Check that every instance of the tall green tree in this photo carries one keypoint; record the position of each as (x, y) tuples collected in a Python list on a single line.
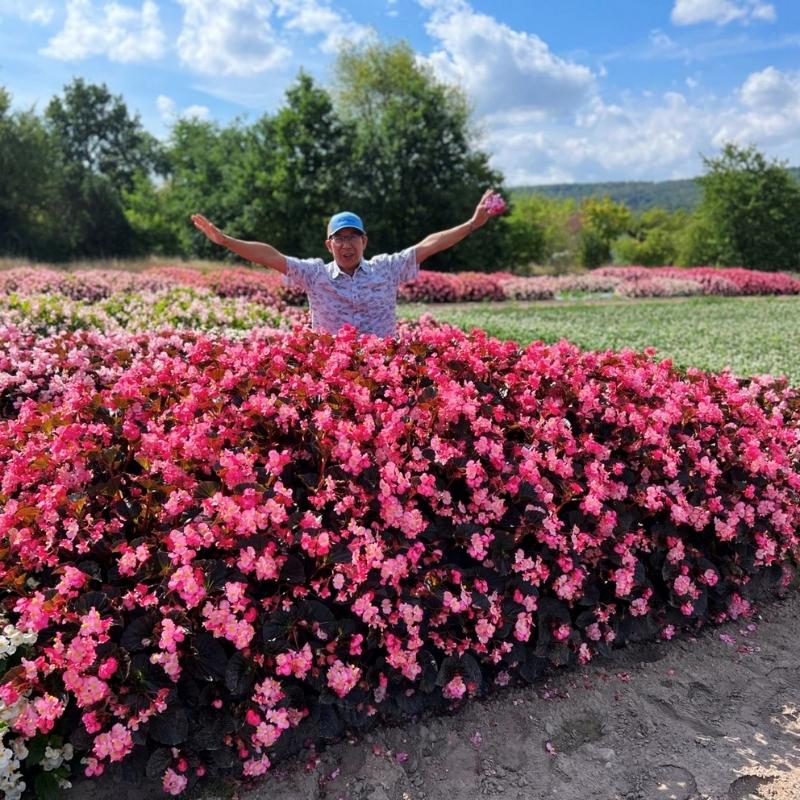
[(603, 222), (205, 175), (752, 209), (101, 149), (527, 232), (96, 132), (415, 168), (28, 168), (303, 159), (653, 239)]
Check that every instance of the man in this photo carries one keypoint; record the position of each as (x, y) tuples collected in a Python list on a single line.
[(350, 289)]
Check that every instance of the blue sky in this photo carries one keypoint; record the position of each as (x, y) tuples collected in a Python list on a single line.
[(573, 90)]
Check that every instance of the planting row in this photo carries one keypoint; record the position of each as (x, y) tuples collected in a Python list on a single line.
[(215, 550), (265, 287), (179, 307)]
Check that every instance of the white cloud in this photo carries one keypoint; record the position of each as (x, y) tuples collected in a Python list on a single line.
[(168, 110), (544, 119), (120, 32), (230, 37), (721, 12), (237, 37), (40, 12), (648, 139), (501, 68), (770, 113), (166, 107), (314, 18), (196, 112)]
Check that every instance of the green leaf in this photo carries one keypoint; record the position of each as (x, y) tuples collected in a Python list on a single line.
[(46, 787)]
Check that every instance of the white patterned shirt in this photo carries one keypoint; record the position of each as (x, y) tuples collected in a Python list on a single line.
[(367, 300)]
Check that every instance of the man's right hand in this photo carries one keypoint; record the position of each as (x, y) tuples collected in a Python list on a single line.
[(208, 228)]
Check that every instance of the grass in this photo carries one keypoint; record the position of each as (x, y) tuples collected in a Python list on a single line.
[(751, 335)]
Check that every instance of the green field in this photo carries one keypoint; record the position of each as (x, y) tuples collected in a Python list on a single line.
[(751, 335)]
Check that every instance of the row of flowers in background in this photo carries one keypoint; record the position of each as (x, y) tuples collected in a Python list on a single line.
[(227, 548), (182, 307), (265, 287)]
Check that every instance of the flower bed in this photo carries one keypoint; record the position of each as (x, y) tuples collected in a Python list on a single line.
[(196, 308), (90, 285), (659, 287), (265, 287), (528, 288), (715, 280), (228, 548)]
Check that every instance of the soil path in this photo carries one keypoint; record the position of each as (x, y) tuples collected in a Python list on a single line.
[(713, 718)]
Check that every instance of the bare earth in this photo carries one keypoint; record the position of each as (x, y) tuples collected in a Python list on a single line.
[(713, 718)]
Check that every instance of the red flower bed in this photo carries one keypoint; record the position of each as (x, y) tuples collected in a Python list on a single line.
[(659, 287), (454, 287), (90, 284), (226, 549), (715, 280)]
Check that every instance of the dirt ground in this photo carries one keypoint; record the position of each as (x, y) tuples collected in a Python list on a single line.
[(712, 718)]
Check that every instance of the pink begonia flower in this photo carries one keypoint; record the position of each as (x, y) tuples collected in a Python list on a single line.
[(107, 668), (171, 635), (26, 722), (342, 678), (562, 632), (682, 585), (114, 745), (93, 767), (173, 783), (256, 766), (455, 688), (495, 204), (268, 693), (90, 722), (484, 630), (294, 662), (169, 662)]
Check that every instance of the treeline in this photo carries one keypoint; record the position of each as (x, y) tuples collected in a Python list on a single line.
[(673, 195), (637, 195), (748, 215), (83, 179)]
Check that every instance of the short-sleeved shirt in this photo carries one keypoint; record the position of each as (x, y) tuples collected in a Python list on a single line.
[(367, 300)]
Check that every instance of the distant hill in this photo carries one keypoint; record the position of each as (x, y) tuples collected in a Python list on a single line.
[(637, 195)]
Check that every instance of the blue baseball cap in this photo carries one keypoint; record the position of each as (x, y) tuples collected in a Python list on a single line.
[(345, 219)]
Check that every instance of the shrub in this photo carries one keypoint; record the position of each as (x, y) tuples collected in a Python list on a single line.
[(177, 307), (225, 549), (529, 288), (658, 287)]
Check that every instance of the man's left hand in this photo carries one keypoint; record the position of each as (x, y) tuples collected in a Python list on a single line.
[(481, 215)]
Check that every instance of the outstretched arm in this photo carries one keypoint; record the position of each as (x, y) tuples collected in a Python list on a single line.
[(257, 252), (437, 242)]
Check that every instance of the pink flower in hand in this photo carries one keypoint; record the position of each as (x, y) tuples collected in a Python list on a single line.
[(495, 204)]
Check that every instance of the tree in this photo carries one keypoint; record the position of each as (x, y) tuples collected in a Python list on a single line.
[(752, 208), (304, 158), (26, 185), (653, 238), (95, 132), (205, 174), (527, 235), (414, 168), (603, 222), (101, 149)]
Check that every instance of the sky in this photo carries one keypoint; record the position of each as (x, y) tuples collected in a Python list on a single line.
[(562, 91)]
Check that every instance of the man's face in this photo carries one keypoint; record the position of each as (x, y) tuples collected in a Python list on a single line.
[(347, 246)]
